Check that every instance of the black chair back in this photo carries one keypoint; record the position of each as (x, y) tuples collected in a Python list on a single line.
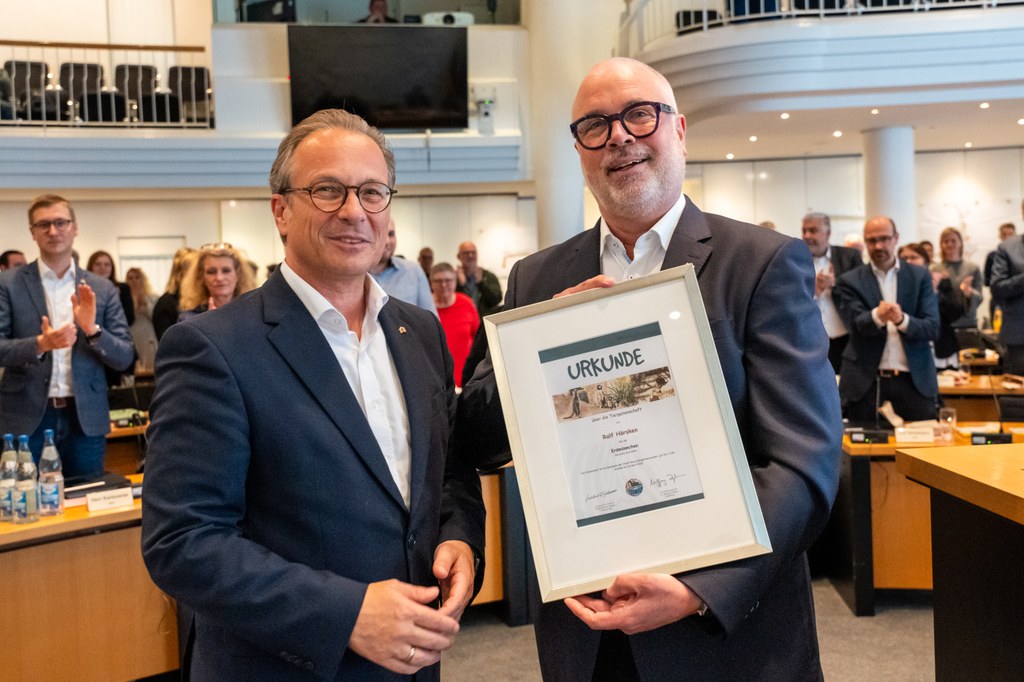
[(80, 78), (190, 83), (135, 80), (28, 78)]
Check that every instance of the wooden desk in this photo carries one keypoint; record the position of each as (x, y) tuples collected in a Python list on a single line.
[(977, 505), (976, 400), (126, 448), (879, 535), (79, 603)]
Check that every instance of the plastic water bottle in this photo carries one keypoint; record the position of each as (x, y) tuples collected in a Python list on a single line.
[(26, 485), (51, 478), (8, 472)]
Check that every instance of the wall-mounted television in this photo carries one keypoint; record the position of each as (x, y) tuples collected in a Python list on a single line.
[(399, 77)]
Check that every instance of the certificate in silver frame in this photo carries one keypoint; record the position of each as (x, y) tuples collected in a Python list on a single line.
[(625, 444)]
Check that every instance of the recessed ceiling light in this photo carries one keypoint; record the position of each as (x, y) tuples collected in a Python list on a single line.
[(984, 105), (753, 138), (784, 116), (730, 156), (874, 112), (1020, 121), (837, 133), (968, 145)]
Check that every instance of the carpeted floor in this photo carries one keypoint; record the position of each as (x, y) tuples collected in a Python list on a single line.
[(895, 644)]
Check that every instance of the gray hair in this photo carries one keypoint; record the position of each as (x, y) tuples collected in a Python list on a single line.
[(326, 119), (822, 218)]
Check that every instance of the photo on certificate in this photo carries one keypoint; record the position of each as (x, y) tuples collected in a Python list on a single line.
[(623, 439), (626, 449)]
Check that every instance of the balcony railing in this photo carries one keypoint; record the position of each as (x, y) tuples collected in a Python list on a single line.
[(104, 85), (649, 21)]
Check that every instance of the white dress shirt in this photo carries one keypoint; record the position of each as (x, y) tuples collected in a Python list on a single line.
[(648, 252), (59, 309), (829, 315), (893, 355), (369, 369)]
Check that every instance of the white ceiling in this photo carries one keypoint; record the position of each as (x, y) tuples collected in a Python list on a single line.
[(810, 132)]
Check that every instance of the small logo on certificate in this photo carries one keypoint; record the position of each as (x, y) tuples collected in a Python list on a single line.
[(634, 487)]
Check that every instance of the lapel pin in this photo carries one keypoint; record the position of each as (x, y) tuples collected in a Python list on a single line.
[(401, 330)]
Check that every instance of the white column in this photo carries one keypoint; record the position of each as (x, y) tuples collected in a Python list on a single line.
[(889, 187), (567, 37)]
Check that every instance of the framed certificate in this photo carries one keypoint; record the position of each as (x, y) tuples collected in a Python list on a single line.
[(625, 444)]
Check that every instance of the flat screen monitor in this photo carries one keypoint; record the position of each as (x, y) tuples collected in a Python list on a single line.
[(399, 77)]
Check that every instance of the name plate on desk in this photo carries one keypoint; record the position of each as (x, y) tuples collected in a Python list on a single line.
[(915, 434), (109, 499)]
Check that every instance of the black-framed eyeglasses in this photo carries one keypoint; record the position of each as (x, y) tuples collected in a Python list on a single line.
[(62, 225), (328, 197), (639, 119)]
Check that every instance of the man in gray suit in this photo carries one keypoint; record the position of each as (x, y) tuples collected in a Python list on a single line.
[(830, 261), (59, 327), (1007, 286), (745, 620)]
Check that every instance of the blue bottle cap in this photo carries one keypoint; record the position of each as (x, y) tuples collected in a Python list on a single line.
[(48, 432), (23, 438)]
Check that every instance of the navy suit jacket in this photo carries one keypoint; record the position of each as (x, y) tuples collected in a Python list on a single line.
[(757, 287), (268, 505), (857, 294), (1007, 286), (26, 380)]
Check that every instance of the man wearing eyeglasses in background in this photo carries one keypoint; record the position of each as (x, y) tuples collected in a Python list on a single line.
[(746, 620), (298, 492), (59, 327), (892, 312)]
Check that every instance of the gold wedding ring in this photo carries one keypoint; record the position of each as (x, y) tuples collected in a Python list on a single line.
[(412, 653)]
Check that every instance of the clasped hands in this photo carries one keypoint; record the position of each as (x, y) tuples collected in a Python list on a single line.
[(83, 306), (397, 626), (890, 312)]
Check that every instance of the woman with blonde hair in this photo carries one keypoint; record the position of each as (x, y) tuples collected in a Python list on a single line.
[(166, 310), (221, 273), (143, 333)]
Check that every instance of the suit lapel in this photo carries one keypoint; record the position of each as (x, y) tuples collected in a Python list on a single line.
[(298, 339), (689, 243), (585, 261), (34, 285), (905, 289), (404, 342)]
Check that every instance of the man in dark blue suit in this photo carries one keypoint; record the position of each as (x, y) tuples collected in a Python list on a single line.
[(298, 494), (892, 313), (59, 327), (745, 620)]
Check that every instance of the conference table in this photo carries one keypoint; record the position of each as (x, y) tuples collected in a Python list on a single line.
[(977, 530), (879, 534), (78, 602), (976, 397)]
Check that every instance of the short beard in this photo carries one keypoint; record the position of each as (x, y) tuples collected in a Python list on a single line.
[(641, 198)]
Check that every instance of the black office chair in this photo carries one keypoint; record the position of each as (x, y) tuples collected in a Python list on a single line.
[(32, 97), (76, 80), (102, 107), (139, 83), (192, 86)]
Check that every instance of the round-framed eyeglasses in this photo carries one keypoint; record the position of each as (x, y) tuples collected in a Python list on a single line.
[(639, 119), (328, 197)]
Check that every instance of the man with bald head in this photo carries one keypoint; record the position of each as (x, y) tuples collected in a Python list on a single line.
[(746, 620), (892, 313), (474, 281)]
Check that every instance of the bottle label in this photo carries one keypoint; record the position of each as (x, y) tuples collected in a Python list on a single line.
[(26, 503), (49, 497), (6, 501)]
